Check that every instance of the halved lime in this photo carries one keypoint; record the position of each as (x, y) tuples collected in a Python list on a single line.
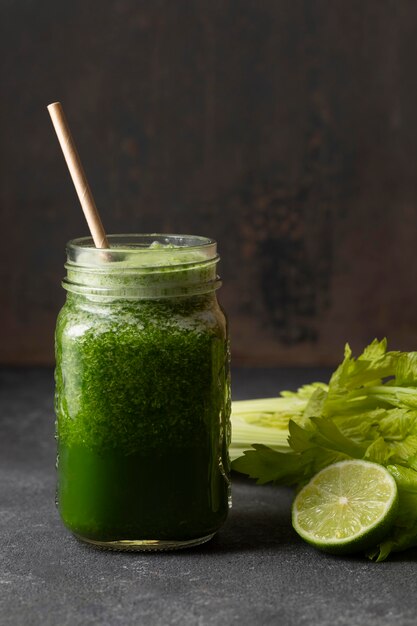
[(347, 507)]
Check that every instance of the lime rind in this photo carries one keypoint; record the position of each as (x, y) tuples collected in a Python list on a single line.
[(347, 507)]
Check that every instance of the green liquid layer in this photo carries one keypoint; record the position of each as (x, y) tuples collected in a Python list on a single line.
[(166, 495)]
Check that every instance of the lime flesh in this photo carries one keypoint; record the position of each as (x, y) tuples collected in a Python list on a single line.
[(347, 507)]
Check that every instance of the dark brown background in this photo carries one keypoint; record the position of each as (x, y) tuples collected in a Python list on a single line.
[(286, 130)]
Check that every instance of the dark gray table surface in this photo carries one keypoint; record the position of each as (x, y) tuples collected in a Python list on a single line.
[(256, 571)]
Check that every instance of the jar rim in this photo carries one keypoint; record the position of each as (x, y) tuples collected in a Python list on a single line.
[(183, 240), (142, 242)]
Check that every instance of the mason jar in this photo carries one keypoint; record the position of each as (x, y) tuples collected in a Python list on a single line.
[(142, 393)]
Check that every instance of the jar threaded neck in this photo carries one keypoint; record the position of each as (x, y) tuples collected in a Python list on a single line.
[(142, 266)]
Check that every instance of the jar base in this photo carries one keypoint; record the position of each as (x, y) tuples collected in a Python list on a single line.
[(145, 545)]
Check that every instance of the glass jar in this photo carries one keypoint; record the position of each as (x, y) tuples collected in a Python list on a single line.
[(142, 393)]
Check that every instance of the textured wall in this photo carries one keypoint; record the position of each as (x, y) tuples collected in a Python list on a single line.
[(286, 130)]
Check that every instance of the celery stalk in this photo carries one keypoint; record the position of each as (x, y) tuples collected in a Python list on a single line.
[(265, 420)]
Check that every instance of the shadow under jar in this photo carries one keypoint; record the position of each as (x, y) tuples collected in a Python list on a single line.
[(142, 393)]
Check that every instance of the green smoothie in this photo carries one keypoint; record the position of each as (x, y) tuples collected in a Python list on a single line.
[(142, 395)]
